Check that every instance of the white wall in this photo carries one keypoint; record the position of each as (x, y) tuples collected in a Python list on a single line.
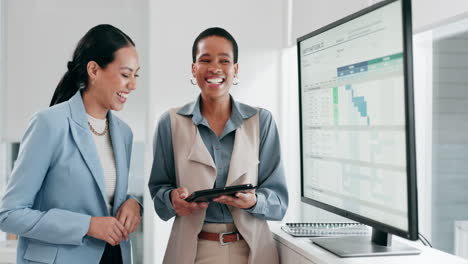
[(257, 26), (308, 16), (40, 36), (2, 111), (311, 15), (427, 13), (423, 86), (2, 71)]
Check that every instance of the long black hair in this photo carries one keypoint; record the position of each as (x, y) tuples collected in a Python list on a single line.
[(99, 44), (218, 32)]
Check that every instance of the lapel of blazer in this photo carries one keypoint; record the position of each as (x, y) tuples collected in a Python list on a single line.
[(244, 157), (84, 141), (120, 154), (198, 152)]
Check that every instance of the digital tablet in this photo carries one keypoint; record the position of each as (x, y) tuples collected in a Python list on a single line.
[(208, 194)]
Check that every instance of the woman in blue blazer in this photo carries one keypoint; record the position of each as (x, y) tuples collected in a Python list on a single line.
[(67, 196)]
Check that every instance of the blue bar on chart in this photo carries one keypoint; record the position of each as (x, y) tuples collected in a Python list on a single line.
[(359, 102)]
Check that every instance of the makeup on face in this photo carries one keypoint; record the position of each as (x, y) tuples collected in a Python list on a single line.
[(214, 68)]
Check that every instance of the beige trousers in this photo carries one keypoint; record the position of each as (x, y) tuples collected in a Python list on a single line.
[(212, 252)]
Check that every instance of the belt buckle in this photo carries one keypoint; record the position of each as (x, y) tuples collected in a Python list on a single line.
[(221, 238)]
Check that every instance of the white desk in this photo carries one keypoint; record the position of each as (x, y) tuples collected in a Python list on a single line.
[(302, 251), (8, 252), (461, 238)]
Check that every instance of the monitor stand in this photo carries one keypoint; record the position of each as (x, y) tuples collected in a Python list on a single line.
[(380, 245)]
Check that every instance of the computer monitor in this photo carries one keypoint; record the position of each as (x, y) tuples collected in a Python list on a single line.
[(357, 126)]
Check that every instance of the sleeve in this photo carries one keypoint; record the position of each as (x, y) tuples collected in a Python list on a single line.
[(162, 179), (272, 192), (130, 196), (58, 226)]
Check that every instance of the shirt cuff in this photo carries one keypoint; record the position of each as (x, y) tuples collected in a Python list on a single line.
[(258, 207), (168, 202), (130, 196)]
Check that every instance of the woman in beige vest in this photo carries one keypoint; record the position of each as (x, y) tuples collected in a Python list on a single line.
[(213, 142)]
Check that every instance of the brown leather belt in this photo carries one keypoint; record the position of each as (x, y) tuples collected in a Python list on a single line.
[(223, 238)]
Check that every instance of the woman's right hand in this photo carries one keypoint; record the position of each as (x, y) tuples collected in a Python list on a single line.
[(107, 228), (183, 207)]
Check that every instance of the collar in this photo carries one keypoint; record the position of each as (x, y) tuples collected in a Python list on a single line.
[(239, 112)]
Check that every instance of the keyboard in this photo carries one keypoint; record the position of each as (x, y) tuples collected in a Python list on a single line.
[(326, 229)]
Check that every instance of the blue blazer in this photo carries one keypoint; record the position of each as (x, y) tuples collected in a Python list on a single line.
[(57, 184)]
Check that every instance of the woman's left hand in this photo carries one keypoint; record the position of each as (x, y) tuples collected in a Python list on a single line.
[(240, 199), (129, 215)]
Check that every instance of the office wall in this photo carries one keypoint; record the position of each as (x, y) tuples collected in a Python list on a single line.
[(3, 156), (423, 68), (428, 13), (308, 16), (2, 71), (258, 27), (40, 36)]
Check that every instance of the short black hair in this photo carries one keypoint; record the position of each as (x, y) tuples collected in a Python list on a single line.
[(218, 32)]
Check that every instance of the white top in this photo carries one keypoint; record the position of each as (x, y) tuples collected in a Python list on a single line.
[(106, 157)]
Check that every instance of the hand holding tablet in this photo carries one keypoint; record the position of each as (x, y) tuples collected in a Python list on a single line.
[(209, 194)]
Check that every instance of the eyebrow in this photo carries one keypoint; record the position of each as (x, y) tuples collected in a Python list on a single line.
[(221, 54), (128, 68)]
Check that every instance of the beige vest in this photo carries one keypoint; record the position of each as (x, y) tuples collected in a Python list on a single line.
[(196, 170)]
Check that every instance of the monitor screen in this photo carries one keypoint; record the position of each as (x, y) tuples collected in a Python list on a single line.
[(356, 119)]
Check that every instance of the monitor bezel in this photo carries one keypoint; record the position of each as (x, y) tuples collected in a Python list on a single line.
[(412, 232)]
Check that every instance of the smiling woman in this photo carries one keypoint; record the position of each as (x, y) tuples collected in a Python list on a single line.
[(110, 85), (106, 71), (215, 66), (67, 197), (216, 141)]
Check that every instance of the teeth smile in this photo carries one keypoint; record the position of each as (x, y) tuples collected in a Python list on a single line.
[(123, 95), (215, 80)]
